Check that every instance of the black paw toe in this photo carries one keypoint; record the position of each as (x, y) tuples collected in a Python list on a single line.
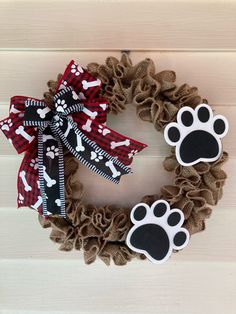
[(203, 114), (140, 213), (219, 126), (180, 239), (173, 134), (173, 219), (159, 209), (187, 118)]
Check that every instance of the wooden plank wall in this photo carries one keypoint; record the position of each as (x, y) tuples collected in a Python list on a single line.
[(194, 38)]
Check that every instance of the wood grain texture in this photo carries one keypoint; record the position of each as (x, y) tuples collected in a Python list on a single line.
[(172, 288), (118, 24), (27, 72)]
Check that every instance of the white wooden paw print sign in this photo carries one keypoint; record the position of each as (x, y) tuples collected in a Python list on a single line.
[(196, 135), (157, 231)]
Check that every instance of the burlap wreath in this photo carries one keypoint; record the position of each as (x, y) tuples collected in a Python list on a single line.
[(101, 231)]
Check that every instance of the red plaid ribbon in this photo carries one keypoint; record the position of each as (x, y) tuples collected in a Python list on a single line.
[(78, 122)]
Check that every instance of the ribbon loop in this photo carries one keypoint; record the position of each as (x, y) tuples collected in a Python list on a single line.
[(77, 122)]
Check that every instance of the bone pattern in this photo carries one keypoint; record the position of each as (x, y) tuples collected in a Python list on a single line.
[(38, 203), (87, 125), (103, 106), (87, 84), (117, 144), (48, 137), (91, 114), (69, 127), (14, 110), (43, 112), (115, 173), (50, 182), (21, 131), (79, 147), (27, 187)]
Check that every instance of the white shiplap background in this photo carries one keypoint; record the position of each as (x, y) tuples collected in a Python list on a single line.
[(196, 38)]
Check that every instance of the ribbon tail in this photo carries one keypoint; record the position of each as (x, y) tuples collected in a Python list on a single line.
[(88, 152), (28, 181), (51, 172), (114, 143)]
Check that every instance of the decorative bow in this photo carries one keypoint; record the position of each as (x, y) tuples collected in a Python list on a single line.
[(76, 121)]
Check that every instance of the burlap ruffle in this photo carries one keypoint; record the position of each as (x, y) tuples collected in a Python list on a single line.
[(156, 95), (97, 231), (194, 188), (101, 231)]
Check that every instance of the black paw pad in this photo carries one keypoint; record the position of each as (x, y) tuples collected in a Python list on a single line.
[(157, 231), (196, 135)]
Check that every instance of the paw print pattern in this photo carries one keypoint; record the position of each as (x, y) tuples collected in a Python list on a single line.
[(52, 152), (157, 231), (6, 125), (196, 135), (103, 130), (76, 69), (60, 105), (20, 199), (63, 85), (34, 163), (97, 156), (59, 121)]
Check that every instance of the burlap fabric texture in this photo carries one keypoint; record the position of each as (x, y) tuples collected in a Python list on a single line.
[(101, 231)]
